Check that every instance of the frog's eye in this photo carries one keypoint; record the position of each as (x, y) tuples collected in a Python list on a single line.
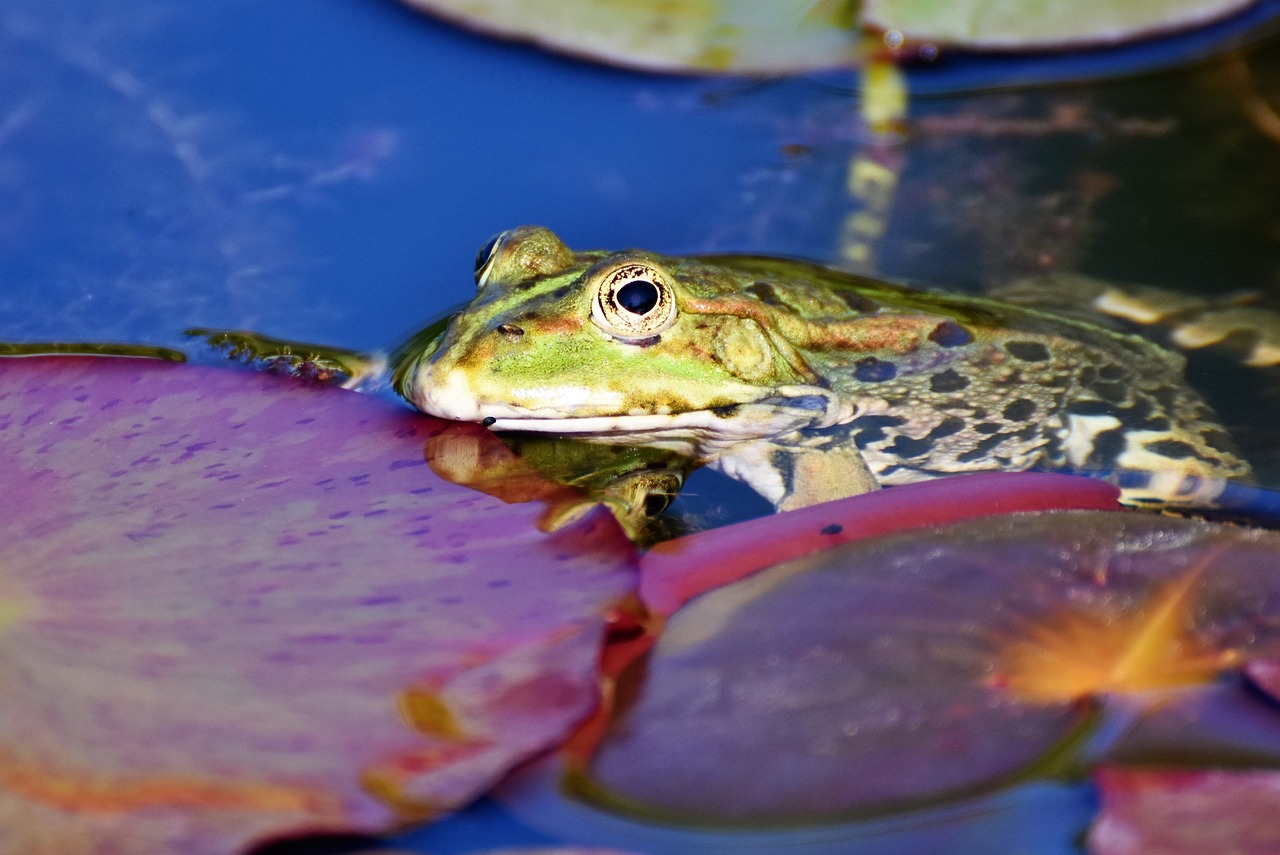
[(634, 301), (484, 258)]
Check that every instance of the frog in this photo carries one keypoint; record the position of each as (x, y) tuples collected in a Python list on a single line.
[(804, 382), (810, 384)]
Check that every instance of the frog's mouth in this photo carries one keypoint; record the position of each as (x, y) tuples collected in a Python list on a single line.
[(782, 411), (698, 428)]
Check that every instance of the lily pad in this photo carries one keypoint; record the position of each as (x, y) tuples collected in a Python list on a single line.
[(956, 656), (234, 607), (1186, 812), (1041, 24), (744, 36), (675, 571), (790, 36)]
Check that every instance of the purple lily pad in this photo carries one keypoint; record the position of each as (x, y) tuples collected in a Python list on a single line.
[(1265, 674), (895, 671), (236, 607), (1186, 812)]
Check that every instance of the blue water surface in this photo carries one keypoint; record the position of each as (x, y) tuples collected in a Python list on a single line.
[(329, 173)]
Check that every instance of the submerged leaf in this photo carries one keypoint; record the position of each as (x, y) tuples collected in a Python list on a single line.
[(1037, 24), (755, 36), (783, 698), (235, 607)]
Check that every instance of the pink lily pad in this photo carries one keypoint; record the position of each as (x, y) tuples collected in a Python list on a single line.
[(1186, 812), (235, 607), (1265, 674), (677, 570), (934, 664)]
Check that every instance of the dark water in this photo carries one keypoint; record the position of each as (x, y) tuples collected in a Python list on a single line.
[(327, 174)]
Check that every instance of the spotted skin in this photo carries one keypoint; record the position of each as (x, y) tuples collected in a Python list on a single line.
[(1037, 390)]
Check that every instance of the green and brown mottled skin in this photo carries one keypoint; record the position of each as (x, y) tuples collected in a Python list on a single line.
[(806, 383)]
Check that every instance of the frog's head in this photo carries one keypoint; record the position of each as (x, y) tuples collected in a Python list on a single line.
[(618, 345)]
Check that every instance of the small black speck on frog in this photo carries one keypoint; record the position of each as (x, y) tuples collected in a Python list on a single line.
[(833, 529)]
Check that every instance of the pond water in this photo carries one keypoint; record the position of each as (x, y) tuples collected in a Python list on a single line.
[(327, 175)]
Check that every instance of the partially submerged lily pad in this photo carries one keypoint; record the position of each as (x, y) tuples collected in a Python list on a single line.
[(233, 606), (791, 36), (1041, 24), (743, 36), (936, 654)]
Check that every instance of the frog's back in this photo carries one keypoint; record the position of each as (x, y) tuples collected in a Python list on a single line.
[(1000, 386), (806, 383)]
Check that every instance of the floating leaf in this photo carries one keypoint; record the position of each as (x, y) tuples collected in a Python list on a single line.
[(1039, 24), (1134, 646), (789, 36), (234, 607), (785, 696), (675, 571), (1192, 812), (1265, 674), (757, 36)]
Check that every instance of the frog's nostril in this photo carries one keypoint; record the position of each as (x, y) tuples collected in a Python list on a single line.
[(510, 330)]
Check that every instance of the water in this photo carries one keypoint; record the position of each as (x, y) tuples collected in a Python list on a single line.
[(163, 166), (328, 174)]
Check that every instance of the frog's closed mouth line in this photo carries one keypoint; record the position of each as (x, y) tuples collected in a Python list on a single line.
[(704, 423)]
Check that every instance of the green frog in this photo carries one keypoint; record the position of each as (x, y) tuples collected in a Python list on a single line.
[(809, 384)]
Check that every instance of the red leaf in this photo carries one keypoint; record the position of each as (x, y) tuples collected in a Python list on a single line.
[(675, 571)]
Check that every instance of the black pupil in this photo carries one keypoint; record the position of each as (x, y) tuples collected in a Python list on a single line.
[(482, 257), (638, 296), (655, 503)]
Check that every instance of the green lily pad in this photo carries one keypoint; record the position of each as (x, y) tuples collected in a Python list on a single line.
[(745, 36), (235, 607), (955, 656), (1041, 24)]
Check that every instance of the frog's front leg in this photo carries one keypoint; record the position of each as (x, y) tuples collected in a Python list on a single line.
[(794, 471), (335, 366)]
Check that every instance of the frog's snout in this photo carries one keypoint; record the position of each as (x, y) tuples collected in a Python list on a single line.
[(439, 390)]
